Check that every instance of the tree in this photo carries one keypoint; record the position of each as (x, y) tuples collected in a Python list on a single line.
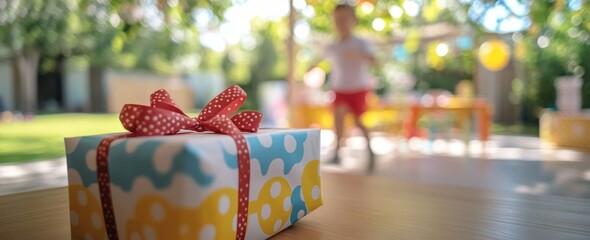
[(29, 29), (113, 33), (157, 36)]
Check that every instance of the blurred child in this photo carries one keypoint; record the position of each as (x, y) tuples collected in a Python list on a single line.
[(350, 59)]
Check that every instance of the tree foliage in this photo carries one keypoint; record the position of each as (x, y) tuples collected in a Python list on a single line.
[(267, 61), (147, 34), (427, 12), (46, 26), (556, 44), (155, 35)]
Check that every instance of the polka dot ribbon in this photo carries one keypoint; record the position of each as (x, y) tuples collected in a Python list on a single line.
[(163, 117)]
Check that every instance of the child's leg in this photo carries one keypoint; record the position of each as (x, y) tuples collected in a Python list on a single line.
[(365, 131), (358, 106), (363, 128), (339, 114)]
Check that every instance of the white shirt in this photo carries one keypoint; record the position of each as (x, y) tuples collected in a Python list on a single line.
[(349, 74)]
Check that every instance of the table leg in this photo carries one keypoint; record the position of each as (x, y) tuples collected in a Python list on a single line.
[(411, 125), (484, 121)]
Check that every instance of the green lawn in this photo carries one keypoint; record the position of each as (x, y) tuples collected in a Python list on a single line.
[(43, 137), (516, 129)]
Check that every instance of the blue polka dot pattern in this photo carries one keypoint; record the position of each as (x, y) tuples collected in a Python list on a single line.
[(186, 161), (76, 159), (121, 162), (230, 159), (141, 161), (277, 150)]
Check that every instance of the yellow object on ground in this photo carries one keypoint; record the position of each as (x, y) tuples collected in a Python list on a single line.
[(566, 130)]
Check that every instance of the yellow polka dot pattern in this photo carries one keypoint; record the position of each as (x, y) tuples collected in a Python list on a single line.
[(216, 216), (85, 214), (185, 223), (310, 180), (275, 216)]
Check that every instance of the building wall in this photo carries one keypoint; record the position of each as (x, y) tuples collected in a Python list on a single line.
[(76, 89), (136, 87), (205, 86), (123, 87)]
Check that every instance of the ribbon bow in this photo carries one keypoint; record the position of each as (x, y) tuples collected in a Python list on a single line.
[(164, 117)]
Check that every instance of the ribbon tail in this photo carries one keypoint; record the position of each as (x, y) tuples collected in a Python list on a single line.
[(225, 126), (247, 121), (104, 186)]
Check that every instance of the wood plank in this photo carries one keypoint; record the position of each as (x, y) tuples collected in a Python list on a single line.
[(40, 214), (361, 207)]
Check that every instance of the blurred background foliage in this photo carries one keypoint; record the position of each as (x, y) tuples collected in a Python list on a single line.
[(147, 34), (556, 44), (552, 42), (166, 37)]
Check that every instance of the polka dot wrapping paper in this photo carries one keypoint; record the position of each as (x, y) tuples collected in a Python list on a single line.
[(185, 186)]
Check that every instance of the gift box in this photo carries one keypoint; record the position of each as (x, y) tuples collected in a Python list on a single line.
[(188, 185)]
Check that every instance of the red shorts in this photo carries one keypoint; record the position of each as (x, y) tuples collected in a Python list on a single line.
[(355, 101)]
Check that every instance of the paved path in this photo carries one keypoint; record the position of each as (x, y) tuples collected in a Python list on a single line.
[(35, 175), (509, 163)]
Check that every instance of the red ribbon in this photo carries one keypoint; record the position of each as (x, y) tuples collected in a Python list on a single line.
[(163, 117)]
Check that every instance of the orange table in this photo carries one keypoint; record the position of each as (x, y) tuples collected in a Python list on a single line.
[(464, 108), (378, 117), (399, 117)]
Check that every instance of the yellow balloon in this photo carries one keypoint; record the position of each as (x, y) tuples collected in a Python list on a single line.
[(494, 54)]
